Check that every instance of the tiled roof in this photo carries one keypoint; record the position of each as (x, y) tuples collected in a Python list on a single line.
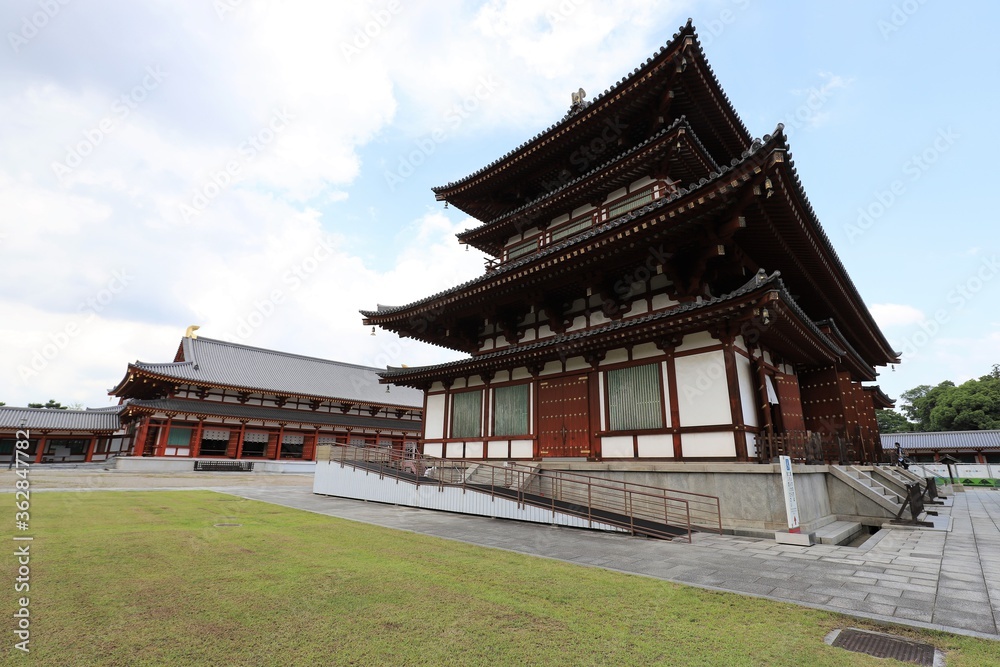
[(559, 341), (759, 149), (273, 414), (101, 419), (219, 363), (680, 122), (943, 440)]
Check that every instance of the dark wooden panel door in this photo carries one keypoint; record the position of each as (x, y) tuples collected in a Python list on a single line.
[(789, 402), (563, 417)]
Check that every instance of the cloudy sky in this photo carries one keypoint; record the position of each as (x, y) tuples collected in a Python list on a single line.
[(263, 168)]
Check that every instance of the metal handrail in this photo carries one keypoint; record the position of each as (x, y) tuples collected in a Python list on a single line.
[(594, 498)]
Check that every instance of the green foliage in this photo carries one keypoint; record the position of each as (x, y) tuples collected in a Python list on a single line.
[(970, 406), (51, 405), (890, 421)]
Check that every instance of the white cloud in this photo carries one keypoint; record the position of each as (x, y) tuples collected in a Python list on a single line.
[(136, 146), (895, 314)]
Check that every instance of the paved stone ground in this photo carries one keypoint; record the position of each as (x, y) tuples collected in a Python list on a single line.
[(943, 580)]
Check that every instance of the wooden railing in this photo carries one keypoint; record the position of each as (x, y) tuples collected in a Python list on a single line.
[(815, 448), (637, 508)]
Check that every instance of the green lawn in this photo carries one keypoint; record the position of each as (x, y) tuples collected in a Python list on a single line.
[(146, 578)]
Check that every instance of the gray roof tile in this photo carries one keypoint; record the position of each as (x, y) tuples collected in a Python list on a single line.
[(943, 440), (218, 362), (100, 419)]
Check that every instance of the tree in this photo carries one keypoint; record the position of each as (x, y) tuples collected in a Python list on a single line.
[(920, 401), (51, 405), (890, 421), (971, 406), (2, 404)]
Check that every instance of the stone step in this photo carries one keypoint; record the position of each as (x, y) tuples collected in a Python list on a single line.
[(838, 532)]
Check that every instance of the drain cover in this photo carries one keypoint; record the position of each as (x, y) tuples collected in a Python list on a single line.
[(885, 646)]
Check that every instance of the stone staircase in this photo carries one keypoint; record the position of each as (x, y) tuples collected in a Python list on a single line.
[(872, 485)]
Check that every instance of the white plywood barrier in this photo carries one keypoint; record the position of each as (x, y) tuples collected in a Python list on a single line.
[(333, 480)]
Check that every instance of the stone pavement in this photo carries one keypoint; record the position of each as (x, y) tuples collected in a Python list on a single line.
[(932, 579)]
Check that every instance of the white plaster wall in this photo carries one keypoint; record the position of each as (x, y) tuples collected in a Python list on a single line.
[(453, 450), (658, 446), (615, 357), (645, 351), (747, 391), (552, 368), (520, 374), (702, 389), (620, 192), (496, 449), (659, 281), (576, 364), (473, 450), (434, 449), (708, 444), (521, 449), (617, 447), (662, 301), (696, 340), (434, 418)]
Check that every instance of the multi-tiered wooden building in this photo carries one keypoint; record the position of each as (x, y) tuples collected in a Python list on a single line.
[(659, 288), (225, 400)]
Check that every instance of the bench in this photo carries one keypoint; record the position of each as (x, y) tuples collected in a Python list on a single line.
[(224, 466)]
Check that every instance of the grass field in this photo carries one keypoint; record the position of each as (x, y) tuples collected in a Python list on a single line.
[(147, 578)]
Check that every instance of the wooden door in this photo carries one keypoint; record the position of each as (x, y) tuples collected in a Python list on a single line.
[(563, 417)]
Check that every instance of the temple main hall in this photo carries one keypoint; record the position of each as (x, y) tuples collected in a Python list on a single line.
[(658, 287)]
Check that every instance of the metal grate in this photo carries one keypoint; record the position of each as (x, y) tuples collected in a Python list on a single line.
[(885, 646)]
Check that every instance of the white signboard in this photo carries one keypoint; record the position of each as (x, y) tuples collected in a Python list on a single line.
[(791, 505)]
